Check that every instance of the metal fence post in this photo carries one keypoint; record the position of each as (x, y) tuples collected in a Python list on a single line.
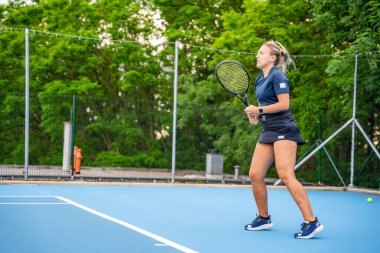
[(73, 121), (26, 148), (174, 137), (353, 124), (320, 151)]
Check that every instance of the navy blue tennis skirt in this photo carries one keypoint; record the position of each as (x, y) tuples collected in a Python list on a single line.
[(280, 126)]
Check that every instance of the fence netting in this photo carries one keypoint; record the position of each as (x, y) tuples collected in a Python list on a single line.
[(118, 98)]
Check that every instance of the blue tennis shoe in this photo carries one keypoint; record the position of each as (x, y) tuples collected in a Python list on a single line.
[(309, 229), (260, 223)]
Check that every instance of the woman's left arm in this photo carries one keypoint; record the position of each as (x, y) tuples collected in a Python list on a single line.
[(281, 105)]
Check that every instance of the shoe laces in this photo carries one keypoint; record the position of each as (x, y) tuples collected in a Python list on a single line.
[(258, 218), (304, 226)]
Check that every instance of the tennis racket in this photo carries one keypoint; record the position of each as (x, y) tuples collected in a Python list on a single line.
[(234, 78)]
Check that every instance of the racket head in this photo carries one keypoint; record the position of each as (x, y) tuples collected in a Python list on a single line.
[(233, 76)]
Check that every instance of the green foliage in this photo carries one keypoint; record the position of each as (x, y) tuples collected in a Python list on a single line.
[(124, 84), (195, 21), (352, 27), (140, 160), (111, 159)]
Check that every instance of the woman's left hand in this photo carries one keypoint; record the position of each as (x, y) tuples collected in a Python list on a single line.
[(251, 111), (253, 114)]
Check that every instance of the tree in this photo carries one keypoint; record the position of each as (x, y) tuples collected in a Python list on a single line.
[(209, 111), (109, 55), (352, 28)]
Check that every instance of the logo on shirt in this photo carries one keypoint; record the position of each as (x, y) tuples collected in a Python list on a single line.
[(283, 85), (280, 137)]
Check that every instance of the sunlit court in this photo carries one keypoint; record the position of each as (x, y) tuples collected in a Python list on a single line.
[(176, 218)]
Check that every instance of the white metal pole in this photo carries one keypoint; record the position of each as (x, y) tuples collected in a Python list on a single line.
[(353, 124), (174, 137), (319, 147), (367, 139), (26, 148)]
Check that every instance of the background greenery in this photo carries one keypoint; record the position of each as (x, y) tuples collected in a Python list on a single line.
[(119, 64)]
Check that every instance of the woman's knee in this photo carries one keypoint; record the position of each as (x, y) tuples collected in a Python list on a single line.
[(286, 177), (256, 177)]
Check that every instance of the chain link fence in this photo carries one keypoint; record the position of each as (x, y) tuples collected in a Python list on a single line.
[(118, 99)]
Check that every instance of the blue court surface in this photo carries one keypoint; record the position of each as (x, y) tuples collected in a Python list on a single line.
[(188, 218)]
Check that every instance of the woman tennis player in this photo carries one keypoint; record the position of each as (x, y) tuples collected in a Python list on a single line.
[(278, 141)]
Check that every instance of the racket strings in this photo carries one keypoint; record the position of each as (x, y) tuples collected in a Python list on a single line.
[(233, 77)]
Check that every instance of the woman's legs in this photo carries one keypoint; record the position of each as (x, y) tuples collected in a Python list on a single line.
[(285, 153), (263, 157)]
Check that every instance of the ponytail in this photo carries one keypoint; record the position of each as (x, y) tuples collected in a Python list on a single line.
[(283, 59)]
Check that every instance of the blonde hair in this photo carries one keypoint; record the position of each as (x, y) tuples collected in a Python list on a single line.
[(283, 59)]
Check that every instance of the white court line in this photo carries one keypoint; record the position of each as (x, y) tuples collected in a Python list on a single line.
[(33, 203), (125, 224), (27, 197), (160, 245)]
